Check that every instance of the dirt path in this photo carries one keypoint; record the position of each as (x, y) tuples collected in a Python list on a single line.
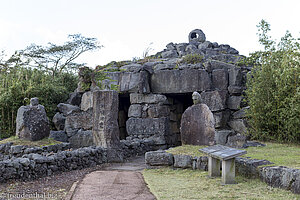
[(116, 182)]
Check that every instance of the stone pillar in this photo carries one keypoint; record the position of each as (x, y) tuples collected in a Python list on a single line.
[(228, 171), (213, 167), (105, 118)]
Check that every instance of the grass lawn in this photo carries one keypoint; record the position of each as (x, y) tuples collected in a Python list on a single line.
[(167, 183), (16, 141), (280, 154)]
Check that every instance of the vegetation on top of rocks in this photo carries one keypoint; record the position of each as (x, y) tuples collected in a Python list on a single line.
[(167, 183), (16, 141), (192, 59), (273, 89)]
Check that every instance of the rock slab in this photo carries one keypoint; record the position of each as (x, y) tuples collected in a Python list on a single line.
[(197, 126)]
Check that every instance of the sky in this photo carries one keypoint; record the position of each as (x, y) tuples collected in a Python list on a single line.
[(127, 27)]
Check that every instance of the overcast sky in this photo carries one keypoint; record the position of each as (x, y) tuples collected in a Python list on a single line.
[(127, 27)]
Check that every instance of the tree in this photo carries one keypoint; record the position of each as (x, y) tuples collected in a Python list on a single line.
[(273, 90), (56, 59)]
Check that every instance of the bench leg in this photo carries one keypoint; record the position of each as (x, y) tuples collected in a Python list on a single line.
[(213, 167), (228, 171)]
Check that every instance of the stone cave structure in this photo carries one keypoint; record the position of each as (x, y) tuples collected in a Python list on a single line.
[(155, 92)]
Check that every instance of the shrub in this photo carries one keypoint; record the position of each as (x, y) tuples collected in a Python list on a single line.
[(273, 91)]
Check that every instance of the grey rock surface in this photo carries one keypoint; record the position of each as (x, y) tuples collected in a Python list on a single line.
[(59, 121), (197, 126), (105, 119), (215, 100), (158, 158), (180, 81), (67, 109), (183, 161), (82, 139), (32, 123), (59, 136), (86, 101)]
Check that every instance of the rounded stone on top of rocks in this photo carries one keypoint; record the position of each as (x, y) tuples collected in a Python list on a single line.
[(34, 101), (196, 98), (196, 36)]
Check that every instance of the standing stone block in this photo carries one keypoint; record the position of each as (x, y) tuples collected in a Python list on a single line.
[(105, 118), (215, 100), (32, 122), (220, 79), (198, 126)]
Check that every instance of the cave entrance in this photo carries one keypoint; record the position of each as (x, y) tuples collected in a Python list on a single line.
[(124, 103), (178, 104)]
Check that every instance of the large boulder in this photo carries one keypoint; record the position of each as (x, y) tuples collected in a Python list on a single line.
[(198, 126), (32, 122)]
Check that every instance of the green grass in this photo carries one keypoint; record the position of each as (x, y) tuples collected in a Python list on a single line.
[(167, 183), (16, 141), (280, 154)]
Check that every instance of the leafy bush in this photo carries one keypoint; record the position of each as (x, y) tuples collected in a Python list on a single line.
[(273, 91)]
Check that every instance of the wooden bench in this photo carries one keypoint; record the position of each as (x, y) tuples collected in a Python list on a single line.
[(217, 153)]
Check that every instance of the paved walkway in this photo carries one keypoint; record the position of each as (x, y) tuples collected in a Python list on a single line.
[(116, 182)]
